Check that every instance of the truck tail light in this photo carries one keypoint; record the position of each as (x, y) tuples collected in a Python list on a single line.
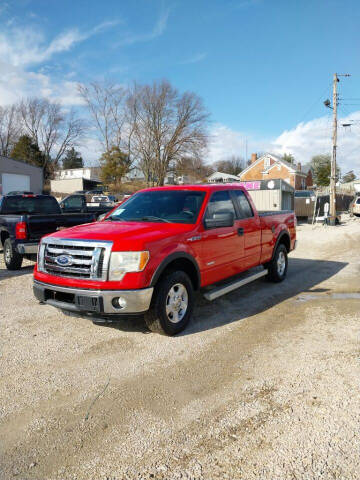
[(20, 231)]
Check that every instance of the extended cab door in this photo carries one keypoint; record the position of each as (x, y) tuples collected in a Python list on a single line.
[(222, 246), (73, 203), (249, 226)]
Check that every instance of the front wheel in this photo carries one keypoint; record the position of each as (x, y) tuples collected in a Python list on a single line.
[(13, 259), (172, 304), (279, 264)]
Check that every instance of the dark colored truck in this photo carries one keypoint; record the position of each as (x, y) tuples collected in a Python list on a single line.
[(151, 253), (24, 219), (77, 203)]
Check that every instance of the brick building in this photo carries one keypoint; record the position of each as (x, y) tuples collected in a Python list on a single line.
[(269, 166)]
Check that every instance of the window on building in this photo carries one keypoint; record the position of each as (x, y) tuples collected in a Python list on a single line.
[(267, 162)]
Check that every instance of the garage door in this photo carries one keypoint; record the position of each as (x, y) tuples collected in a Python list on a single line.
[(13, 181)]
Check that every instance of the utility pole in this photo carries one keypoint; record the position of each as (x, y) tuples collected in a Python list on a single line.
[(333, 156)]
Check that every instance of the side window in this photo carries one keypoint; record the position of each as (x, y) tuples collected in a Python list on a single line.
[(73, 202), (220, 202), (243, 204)]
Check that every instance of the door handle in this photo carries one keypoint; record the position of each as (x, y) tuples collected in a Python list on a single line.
[(240, 231)]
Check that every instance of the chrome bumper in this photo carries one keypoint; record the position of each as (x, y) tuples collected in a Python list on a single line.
[(93, 301), (27, 248)]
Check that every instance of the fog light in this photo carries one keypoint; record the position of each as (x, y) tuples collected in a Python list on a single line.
[(119, 302)]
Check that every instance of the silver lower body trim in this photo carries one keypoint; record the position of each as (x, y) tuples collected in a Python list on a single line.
[(137, 301), (27, 248)]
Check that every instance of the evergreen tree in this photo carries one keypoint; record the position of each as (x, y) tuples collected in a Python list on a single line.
[(115, 164), (72, 159), (322, 169), (28, 151)]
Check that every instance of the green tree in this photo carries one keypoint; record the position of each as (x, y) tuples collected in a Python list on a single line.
[(287, 157), (28, 151), (115, 164), (72, 159), (349, 176), (322, 169)]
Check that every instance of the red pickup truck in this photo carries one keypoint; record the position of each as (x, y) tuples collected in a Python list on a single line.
[(151, 253)]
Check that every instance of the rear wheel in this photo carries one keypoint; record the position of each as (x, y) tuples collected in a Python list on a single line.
[(13, 259), (278, 265), (172, 304)]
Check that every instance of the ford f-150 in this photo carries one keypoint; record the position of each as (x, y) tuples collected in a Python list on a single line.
[(151, 253)]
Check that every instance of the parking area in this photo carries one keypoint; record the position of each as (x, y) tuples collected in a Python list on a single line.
[(262, 384)]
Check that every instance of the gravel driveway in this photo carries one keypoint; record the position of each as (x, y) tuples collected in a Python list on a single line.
[(262, 385)]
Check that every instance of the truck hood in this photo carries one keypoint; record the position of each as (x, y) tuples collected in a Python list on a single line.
[(124, 235)]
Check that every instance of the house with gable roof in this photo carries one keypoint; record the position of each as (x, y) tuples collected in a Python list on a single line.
[(269, 166)]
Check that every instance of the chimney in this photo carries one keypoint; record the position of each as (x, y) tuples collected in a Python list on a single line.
[(253, 157), (298, 167)]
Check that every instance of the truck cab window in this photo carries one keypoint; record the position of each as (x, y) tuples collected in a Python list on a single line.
[(220, 202), (73, 202), (243, 204)]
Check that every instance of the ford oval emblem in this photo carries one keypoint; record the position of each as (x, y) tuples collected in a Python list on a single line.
[(64, 260)]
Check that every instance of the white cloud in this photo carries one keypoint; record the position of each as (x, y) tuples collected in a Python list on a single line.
[(315, 137), (157, 31), (225, 142), (304, 141), (195, 58), (23, 46)]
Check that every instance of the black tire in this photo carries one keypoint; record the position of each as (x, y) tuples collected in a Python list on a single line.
[(278, 269), (157, 318), (13, 259)]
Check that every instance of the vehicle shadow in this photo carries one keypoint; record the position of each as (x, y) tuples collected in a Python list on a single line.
[(303, 276), (5, 273)]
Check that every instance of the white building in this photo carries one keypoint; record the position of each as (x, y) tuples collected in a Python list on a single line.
[(219, 177), (75, 179)]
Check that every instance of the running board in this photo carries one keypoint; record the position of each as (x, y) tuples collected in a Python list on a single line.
[(222, 290)]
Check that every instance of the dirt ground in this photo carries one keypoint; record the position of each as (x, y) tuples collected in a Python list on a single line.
[(262, 385)]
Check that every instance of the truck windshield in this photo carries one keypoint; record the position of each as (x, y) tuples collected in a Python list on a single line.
[(171, 206), (29, 205)]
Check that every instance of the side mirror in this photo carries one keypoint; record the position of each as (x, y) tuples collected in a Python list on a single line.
[(224, 219)]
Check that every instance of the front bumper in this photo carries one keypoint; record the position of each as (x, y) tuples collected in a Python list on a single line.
[(93, 301), (27, 248)]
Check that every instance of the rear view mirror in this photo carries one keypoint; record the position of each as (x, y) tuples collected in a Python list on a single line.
[(224, 219)]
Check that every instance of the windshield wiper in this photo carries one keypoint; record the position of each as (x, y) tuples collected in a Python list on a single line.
[(114, 219), (151, 218)]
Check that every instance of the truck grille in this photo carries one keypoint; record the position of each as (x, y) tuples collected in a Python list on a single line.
[(75, 258)]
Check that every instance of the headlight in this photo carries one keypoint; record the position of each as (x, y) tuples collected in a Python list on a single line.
[(41, 257), (124, 262)]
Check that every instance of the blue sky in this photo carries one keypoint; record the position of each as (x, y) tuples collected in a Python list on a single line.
[(263, 67)]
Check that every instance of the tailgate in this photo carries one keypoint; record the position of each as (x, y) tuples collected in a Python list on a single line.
[(40, 225)]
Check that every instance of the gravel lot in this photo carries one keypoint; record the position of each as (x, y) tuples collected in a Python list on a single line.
[(262, 385)]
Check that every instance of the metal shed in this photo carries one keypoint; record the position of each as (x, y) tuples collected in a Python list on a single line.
[(274, 194), (18, 175)]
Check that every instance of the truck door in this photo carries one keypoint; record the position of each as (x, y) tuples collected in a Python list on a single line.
[(73, 203), (249, 226), (221, 246)]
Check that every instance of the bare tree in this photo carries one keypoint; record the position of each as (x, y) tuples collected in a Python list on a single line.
[(233, 165), (169, 126), (52, 128), (106, 104), (195, 168), (10, 128)]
